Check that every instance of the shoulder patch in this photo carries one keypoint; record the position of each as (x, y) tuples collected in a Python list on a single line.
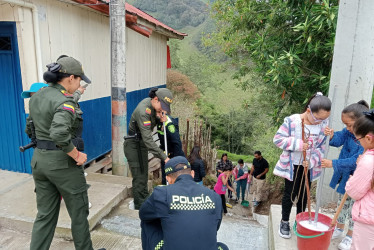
[(147, 123), (65, 93), (148, 111), (68, 108), (171, 128)]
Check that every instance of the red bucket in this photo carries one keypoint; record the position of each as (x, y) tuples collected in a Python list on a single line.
[(309, 239)]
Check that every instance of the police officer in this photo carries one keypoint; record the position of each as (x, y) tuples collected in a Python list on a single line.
[(182, 215), (145, 117), (174, 144), (56, 163)]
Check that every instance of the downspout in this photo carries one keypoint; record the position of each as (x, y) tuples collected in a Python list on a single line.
[(35, 17)]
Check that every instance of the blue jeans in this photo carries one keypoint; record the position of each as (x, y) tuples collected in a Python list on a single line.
[(241, 184)]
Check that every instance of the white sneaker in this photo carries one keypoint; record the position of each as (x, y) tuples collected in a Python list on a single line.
[(228, 214), (337, 233), (89, 205), (85, 174), (346, 243)]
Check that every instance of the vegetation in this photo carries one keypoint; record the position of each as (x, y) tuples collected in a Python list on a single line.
[(288, 43), (176, 13)]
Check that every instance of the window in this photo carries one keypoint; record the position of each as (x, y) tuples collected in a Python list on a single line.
[(5, 43)]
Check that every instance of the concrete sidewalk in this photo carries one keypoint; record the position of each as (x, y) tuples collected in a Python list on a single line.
[(18, 201)]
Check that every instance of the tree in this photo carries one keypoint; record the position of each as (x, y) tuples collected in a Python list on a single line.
[(289, 43)]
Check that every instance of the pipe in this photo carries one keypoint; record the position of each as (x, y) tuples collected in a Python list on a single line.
[(38, 52)]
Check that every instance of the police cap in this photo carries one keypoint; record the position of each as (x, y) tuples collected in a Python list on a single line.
[(175, 164), (165, 97), (70, 65)]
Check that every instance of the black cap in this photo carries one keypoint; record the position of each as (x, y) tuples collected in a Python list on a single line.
[(171, 165)]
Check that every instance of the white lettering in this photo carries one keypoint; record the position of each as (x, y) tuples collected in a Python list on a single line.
[(175, 198), (183, 199), (198, 200), (207, 199)]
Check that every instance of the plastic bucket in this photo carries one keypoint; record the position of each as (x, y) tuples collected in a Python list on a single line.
[(308, 239), (245, 203)]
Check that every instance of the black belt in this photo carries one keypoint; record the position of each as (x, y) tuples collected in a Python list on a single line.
[(48, 145)]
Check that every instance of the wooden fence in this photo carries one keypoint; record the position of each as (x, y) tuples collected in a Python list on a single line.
[(199, 134)]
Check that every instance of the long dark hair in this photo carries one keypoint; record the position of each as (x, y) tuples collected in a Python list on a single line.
[(195, 154), (318, 102), (224, 154)]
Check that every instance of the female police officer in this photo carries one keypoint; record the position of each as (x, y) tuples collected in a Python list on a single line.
[(55, 159), (140, 141)]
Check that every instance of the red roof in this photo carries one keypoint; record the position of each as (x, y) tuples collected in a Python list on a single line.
[(131, 9), (151, 19)]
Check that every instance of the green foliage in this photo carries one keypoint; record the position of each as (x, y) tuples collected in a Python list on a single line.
[(175, 13), (234, 157), (289, 43)]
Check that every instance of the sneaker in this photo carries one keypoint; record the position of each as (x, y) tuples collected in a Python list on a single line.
[(337, 233), (228, 214), (89, 205), (236, 200), (284, 230), (346, 243)]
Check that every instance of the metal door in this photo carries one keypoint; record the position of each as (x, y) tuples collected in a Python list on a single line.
[(12, 112)]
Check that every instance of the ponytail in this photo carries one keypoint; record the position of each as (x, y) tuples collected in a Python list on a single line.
[(152, 92), (355, 110)]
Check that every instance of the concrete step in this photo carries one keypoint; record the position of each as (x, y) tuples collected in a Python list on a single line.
[(279, 243), (18, 200)]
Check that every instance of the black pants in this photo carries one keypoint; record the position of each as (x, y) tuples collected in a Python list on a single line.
[(291, 192), (223, 199)]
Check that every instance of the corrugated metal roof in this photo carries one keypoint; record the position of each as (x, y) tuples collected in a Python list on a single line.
[(151, 19), (130, 9)]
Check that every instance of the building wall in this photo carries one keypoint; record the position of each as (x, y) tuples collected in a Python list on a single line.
[(85, 34)]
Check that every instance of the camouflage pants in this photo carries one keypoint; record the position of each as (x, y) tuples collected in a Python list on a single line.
[(346, 212)]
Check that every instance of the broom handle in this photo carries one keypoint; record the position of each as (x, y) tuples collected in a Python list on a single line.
[(306, 172), (333, 222)]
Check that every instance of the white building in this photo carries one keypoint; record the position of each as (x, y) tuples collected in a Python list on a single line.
[(34, 33)]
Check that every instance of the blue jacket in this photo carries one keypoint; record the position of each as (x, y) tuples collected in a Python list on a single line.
[(184, 214), (345, 165)]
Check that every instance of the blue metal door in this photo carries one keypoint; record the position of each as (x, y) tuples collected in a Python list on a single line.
[(12, 112)]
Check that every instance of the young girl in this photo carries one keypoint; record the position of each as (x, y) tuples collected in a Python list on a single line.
[(345, 166), (360, 186), (291, 163), (222, 185), (241, 174)]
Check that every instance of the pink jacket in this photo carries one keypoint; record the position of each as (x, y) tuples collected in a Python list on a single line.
[(359, 188)]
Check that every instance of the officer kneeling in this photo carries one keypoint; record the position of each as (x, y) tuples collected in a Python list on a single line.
[(182, 215)]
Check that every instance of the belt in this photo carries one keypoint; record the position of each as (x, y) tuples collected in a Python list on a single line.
[(48, 145)]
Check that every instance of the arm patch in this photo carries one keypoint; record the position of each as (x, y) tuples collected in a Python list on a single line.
[(68, 108)]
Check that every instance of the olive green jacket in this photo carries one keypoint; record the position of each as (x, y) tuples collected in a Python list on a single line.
[(146, 120), (53, 112)]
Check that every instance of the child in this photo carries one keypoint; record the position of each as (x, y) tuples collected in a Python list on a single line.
[(222, 185), (291, 163), (360, 186), (241, 174), (345, 166)]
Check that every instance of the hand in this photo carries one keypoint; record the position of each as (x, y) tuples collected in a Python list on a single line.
[(236, 179), (81, 89), (326, 163), (81, 158), (305, 164), (329, 132), (167, 159), (305, 146)]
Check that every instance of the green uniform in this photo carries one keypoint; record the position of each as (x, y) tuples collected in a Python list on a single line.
[(142, 121), (53, 112)]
